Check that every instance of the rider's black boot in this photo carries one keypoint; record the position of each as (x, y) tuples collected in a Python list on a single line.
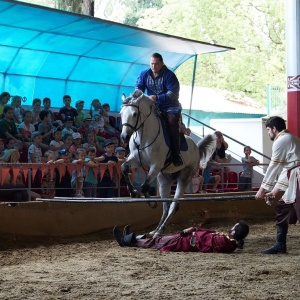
[(280, 244)]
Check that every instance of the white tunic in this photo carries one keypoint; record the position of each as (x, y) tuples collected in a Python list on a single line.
[(285, 155)]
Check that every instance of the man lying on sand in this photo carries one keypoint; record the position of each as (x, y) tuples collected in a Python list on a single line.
[(189, 240)]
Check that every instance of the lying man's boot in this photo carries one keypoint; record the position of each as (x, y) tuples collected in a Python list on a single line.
[(126, 230), (118, 236)]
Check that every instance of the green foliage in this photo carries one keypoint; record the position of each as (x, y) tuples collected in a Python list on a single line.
[(254, 27)]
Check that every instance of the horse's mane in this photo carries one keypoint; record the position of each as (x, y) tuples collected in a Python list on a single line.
[(135, 97)]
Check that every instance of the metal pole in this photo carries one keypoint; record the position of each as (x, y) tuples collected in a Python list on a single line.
[(193, 84)]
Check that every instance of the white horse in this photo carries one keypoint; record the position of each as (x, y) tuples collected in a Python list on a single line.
[(142, 128)]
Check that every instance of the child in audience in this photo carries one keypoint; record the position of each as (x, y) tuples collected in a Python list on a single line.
[(35, 151), (107, 184), (76, 136), (77, 177), (79, 119), (90, 142), (45, 127), (4, 98), (47, 106), (16, 105), (63, 181), (25, 129), (10, 143), (96, 109), (68, 110), (90, 182), (120, 153), (2, 147), (36, 109), (68, 121), (245, 181), (68, 141), (56, 144)]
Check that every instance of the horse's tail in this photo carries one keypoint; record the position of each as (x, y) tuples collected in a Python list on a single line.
[(206, 147)]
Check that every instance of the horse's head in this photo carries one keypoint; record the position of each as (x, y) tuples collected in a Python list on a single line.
[(135, 110)]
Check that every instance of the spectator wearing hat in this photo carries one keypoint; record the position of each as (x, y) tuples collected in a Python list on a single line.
[(120, 153), (78, 122), (107, 184), (35, 151), (77, 139), (87, 119), (68, 110), (68, 128)]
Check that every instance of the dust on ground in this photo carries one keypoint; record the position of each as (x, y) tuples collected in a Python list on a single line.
[(95, 267)]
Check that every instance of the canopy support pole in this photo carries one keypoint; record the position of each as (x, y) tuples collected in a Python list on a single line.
[(193, 84)]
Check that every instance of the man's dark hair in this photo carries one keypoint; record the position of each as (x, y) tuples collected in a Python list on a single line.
[(43, 114), (158, 56), (276, 122), (241, 231)]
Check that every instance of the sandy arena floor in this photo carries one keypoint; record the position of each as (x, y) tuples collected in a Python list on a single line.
[(95, 267)]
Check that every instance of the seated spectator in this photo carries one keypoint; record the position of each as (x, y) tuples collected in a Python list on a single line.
[(2, 147), (107, 126), (47, 106), (76, 136), (208, 178), (25, 129), (35, 150), (56, 144), (79, 119), (68, 110), (219, 154), (4, 98), (45, 127), (245, 181), (18, 110), (90, 142), (36, 109), (8, 127), (68, 141), (68, 126), (87, 119)]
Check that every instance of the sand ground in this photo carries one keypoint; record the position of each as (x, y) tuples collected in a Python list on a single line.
[(95, 267)]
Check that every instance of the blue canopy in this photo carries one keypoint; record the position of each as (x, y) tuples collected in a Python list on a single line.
[(50, 53)]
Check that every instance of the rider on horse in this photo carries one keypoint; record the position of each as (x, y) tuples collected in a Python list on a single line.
[(162, 87)]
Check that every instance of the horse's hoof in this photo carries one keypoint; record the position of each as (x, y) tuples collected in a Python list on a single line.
[(152, 232), (135, 194), (157, 234), (152, 204)]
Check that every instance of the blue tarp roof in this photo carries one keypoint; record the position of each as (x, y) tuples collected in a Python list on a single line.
[(50, 53)]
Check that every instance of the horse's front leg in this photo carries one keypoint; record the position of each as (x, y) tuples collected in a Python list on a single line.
[(125, 168), (166, 206), (152, 174)]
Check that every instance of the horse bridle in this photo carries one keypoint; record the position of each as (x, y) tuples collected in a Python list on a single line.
[(136, 127)]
